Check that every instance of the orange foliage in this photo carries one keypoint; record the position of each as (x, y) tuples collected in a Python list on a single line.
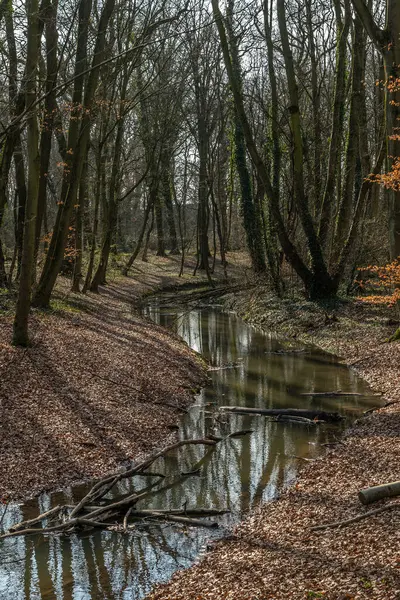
[(386, 279), (390, 180), (385, 284)]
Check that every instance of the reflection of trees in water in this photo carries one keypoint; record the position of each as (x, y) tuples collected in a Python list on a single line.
[(237, 474)]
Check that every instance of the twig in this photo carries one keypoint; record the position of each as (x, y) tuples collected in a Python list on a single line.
[(126, 517), (45, 515), (346, 522), (370, 410)]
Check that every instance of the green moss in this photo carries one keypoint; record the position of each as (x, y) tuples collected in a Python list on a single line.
[(63, 306), (395, 337)]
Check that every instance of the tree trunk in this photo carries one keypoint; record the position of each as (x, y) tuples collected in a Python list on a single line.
[(166, 186), (321, 284), (150, 206), (346, 208), (20, 332), (50, 111), (78, 233), (78, 147), (392, 74), (148, 234), (326, 210), (251, 217)]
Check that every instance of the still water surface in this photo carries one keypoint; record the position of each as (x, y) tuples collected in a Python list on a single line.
[(237, 474)]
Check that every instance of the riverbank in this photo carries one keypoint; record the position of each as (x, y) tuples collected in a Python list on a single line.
[(274, 554), (97, 387)]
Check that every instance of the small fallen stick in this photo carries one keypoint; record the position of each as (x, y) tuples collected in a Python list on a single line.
[(370, 410), (183, 520), (126, 517), (38, 519), (346, 522)]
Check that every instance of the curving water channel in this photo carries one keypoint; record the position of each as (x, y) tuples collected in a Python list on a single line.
[(259, 370)]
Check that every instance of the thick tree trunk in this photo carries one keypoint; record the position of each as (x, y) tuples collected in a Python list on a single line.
[(373, 494), (148, 234)]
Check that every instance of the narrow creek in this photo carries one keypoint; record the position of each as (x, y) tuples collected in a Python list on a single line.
[(258, 370)]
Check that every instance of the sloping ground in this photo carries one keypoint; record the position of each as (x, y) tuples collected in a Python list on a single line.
[(97, 387), (274, 554)]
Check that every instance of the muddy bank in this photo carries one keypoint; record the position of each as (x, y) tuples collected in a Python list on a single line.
[(98, 386), (274, 554)]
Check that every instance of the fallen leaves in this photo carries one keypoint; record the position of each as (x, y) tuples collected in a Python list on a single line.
[(58, 422)]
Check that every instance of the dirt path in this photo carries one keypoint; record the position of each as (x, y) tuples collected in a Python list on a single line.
[(95, 388), (274, 554)]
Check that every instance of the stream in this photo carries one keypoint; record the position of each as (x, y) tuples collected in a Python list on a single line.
[(249, 368)]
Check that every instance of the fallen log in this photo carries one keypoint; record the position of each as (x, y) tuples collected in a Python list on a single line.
[(320, 415), (378, 492), (299, 420), (338, 394), (184, 520)]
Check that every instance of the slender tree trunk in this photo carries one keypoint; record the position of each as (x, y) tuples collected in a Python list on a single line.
[(50, 111), (148, 234), (20, 333), (251, 217), (158, 207), (166, 188), (392, 72), (19, 166), (78, 233), (150, 206), (316, 115), (326, 211), (112, 213), (93, 238), (322, 283), (79, 147), (289, 249), (346, 207)]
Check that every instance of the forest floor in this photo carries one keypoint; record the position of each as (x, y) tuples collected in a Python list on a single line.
[(274, 554), (75, 405)]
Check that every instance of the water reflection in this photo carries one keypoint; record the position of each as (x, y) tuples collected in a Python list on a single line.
[(238, 473)]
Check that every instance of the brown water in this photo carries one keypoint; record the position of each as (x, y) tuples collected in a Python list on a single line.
[(237, 474)]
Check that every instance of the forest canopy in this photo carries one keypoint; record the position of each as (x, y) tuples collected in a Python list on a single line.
[(196, 126)]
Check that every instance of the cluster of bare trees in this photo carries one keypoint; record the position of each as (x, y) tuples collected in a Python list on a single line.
[(120, 117)]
